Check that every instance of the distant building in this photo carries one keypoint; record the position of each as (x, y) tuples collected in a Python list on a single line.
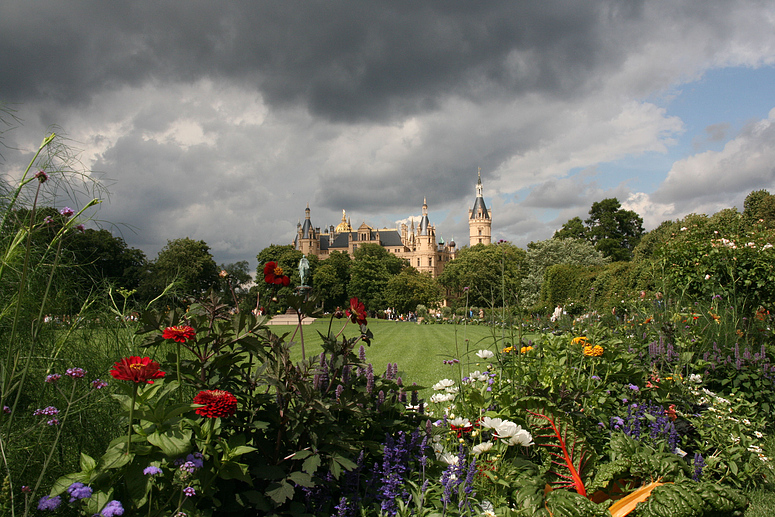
[(417, 244), (479, 218)]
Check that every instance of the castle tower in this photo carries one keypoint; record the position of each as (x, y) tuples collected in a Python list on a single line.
[(425, 259), (479, 218), (306, 238)]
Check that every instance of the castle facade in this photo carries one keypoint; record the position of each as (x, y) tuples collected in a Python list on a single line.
[(417, 244)]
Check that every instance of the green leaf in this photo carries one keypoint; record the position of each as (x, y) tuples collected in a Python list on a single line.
[(311, 464), (87, 463), (300, 478), (173, 442), (233, 470), (281, 492), (733, 467), (476, 398)]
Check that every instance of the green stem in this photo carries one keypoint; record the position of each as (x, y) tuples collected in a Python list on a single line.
[(131, 417)]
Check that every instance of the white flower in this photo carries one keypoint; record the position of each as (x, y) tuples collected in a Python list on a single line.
[(460, 422), (707, 277), (513, 434), (746, 421), (482, 447), (485, 354), (443, 384), (735, 439), (448, 458), (680, 452), (491, 423), (758, 434), (440, 398), (767, 246), (695, 378), (683, 229), (478, 376)]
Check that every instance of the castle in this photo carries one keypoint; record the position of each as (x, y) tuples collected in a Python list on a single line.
[(417, 244)]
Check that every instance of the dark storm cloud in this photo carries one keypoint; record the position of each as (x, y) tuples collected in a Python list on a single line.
[(343, 60)]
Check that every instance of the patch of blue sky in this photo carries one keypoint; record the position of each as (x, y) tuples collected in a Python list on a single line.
[(713, 109)]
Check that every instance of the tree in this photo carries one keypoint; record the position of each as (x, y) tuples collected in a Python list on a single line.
[(410, 288), (373, 267), (573, 229), (187, 264), (331, 278), (613, 230), (544, 254), (492, 273), (759, 205), (101, 256)]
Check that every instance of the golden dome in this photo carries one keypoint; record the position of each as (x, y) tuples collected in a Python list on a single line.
[(344, 226)]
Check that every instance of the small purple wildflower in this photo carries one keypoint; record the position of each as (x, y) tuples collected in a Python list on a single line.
[(41, 176), (48, 220), (595, 378), (76, 373), (79, 491), (49, 411), (53, 378), (152, 471), (81, 228), (97, 384), (67, 211), (49, 503), (633, 387), (188, 467), (189, 491), (53, 421), (6, 410), (26, 489), (112, 509)]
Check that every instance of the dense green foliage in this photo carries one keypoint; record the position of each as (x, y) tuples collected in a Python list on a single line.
[(485, 275)]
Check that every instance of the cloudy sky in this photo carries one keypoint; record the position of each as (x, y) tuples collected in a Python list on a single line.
[(220, 121)]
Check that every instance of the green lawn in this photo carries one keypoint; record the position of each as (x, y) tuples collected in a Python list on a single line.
[(419, 350)]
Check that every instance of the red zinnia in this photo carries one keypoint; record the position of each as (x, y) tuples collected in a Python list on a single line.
[(181, 333), (216, 403), (357, 312), (137, 369), (273, 274)]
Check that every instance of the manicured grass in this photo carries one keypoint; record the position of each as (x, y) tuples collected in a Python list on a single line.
[(419, 350)]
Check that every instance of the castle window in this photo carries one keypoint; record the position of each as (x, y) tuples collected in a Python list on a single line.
[(480, 232), (430, 261), (418, 262)]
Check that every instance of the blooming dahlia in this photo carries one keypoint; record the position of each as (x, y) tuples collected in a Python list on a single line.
[(216, 403), (273, 274), (181, 333), (357, 312), (137, 369)]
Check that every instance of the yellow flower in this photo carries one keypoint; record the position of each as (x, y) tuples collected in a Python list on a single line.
[(508, 350), (716, 317), (581, 340), (593, 351), (525, 349)]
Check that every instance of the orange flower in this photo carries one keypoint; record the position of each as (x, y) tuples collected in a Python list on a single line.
[(581, 340), (137, 370), (508, 349), (273, 274), (180, 334), (525, 349), (593, 351)]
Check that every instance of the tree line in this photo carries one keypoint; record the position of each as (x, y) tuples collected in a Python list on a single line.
[(587, 264)]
